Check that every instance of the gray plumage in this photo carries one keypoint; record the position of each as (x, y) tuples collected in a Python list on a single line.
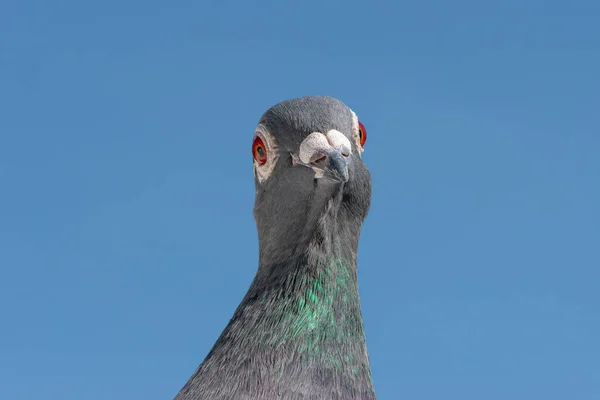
[(298, 332)]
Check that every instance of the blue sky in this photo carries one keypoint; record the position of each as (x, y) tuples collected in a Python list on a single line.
[(126, 229)]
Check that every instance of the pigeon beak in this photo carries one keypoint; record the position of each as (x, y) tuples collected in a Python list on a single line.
[(338, 165), (327, 155), (334, 166)]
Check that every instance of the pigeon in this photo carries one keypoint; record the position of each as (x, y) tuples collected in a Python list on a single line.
[(298, 333)]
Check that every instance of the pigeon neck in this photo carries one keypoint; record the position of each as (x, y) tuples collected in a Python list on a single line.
[(325, 229), (298, 332), (310, 304)]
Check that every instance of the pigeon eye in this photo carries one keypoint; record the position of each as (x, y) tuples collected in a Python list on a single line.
[(259, 151), (362, 133)]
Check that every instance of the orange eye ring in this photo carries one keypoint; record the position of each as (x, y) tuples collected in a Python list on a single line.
[(259, 151), (362, 134)]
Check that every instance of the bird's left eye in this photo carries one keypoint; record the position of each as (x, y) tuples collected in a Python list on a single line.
[(259, 151), (362, 134)]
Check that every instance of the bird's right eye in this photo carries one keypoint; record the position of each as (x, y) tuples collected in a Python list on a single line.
[(259, 151)]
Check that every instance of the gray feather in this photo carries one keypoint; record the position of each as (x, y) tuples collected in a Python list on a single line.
[(298, 332)]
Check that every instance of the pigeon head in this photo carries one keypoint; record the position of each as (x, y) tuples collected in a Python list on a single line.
[(307, 162)]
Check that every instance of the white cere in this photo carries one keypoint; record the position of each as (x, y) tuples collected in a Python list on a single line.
[(314, 144), (339, 141), (317, 144)]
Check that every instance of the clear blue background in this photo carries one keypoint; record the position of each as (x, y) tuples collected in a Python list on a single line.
[(126, 230)]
